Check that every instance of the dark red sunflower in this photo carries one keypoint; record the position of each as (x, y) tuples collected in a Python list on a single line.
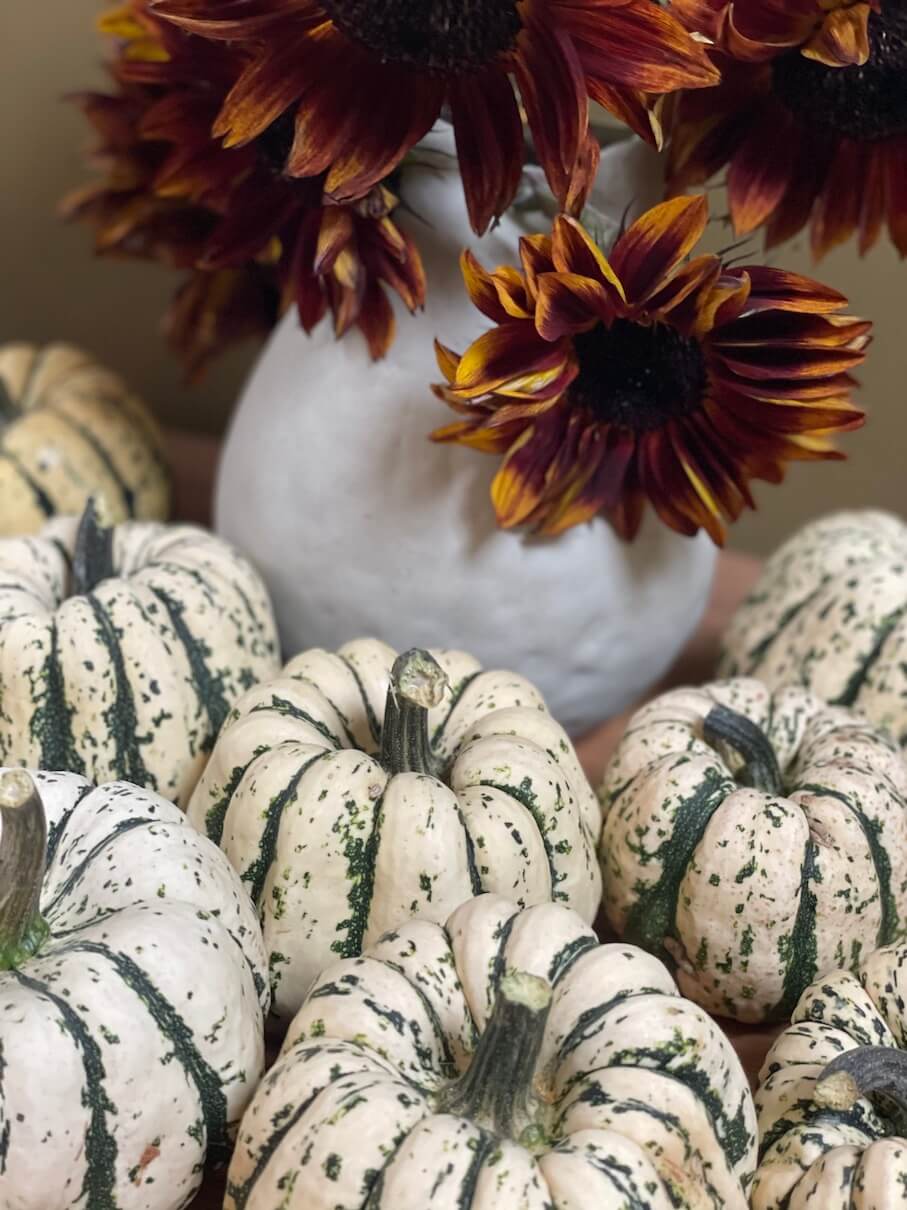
[(608, 381), (810, 118), (253, 239), (364, 80)]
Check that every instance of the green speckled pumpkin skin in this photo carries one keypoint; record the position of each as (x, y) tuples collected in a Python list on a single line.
[(71, 429), (133, 679), (643, 1103), (132, 1041), (335, 851), (750, 894), (830, 612), (812, 1155)]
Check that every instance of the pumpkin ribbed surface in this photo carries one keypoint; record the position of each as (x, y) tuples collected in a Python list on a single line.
[(70, 429), (751, 892), (632, 1097), (131, 1042), (335, 849), (830, 612), (850, 1157), (133, 678)]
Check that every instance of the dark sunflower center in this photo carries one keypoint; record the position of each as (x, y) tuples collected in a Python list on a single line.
[(865, 103), (638, 377), (443, 37)]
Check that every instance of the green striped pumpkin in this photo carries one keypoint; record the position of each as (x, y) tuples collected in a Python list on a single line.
[(832, 1097), (830, 612), (503, 1061), (753, 840), (71, 429), (123, 650), (357, 790), (133, 988)]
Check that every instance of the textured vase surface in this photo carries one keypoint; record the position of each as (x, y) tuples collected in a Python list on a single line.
[(361, 526)]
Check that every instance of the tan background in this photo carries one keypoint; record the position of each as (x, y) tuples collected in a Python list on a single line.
[(53, 288)]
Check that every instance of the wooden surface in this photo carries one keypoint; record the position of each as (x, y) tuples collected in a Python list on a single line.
[(194, 460)]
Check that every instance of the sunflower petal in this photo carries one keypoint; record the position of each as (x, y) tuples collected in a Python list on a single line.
[(509, 353), (653, 248), (843, 38), (480, 286), (568, 303), (574, 251), (489, 139)]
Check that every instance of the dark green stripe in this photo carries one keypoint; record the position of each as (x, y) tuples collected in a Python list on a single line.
[(280, 705), (43, 501), (592, 1021), (103, 455), (449, 1068), (9, 409), (174, 1029), (524, 795), (7, 1125), (215, 817), (51, 722), (816, 1116), (564, 959), (652, 916), (254, 876), (120, 717), (56, 831), (374, 725), (361, 855), (860, 675), (209, 689), (475, 878), (283, 1123), (757, 654), (456, 696), (484, 1149), (100, 1148), (889, 923), (797, 950), (78, 871), (618, 1175), (499, 963)]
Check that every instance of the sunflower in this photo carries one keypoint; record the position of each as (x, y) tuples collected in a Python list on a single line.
[(810, 118), (252, 239), (364, 80), (608, 381)]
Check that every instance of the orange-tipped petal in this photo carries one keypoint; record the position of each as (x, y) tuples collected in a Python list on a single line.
[(654, 247), (574, 251), (567, 304), (843, 38)]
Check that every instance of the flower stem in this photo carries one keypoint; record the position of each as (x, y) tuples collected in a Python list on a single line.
[(23, 844), (497, 1089), (92, 559), (760, 764), (418, 682), (879, 1071)]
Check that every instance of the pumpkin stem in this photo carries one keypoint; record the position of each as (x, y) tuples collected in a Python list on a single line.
[(418, 682), (879, 1071), (23, 845), (760, 765), (92, 559), (497, 1090)]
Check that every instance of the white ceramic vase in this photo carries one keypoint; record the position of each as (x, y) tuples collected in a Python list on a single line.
[(362, 526)]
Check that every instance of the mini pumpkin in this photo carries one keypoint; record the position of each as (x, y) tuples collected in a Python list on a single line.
[(754, 839), (71, 429), (505, 1061), (361, 788), (830, 612), (132, 993), (122, 649), (832, 1099)]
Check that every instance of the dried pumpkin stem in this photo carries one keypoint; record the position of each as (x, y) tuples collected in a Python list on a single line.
[(497, 1089), (23, 845), (92, 559), (723, 726), (418, 682), (877, 1071)]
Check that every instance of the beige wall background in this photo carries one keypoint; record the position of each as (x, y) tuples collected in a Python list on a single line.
[(54, 288)]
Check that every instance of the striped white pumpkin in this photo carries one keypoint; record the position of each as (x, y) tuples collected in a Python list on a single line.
[(825, 1140), (132, 1039), (752, 892), (132, 677), (338, 841), (830, 612), (505, 1061), (71, 429)]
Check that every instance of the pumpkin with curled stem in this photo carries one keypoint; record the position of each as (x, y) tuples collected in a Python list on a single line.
[(832, 1096), (830, 612), (123, 648), (754, 839), (502, 1061), (361, 788), (71, 429), (133, 987)]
